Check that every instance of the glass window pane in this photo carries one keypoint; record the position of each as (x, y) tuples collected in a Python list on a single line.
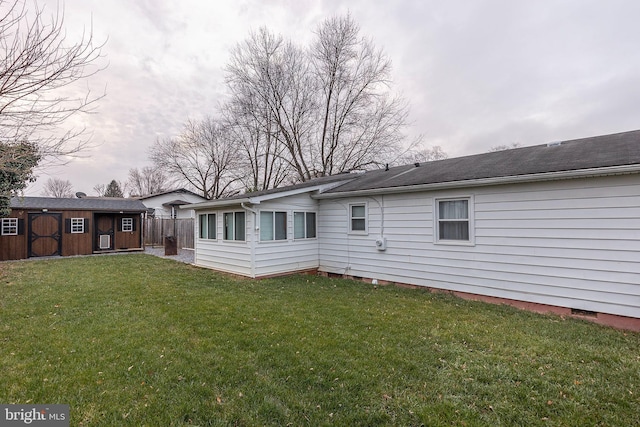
[(266, 226), (203, 226), (358, 225), (454, 230), (228, 226), (298, 225), (281, 226), (357, 211), (311, 225), (454, 209), (211, 226), (239, 226)]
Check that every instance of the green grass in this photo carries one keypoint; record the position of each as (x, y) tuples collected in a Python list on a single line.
[(134, 340)]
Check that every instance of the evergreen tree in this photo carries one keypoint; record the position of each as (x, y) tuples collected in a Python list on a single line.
[(113, 189)]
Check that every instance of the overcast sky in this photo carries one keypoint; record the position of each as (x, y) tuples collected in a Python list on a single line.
[(477, 73)]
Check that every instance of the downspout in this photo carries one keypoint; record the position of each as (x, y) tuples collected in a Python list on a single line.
[(253, 241)]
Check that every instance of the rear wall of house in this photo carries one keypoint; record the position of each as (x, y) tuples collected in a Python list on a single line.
[(572, 243)]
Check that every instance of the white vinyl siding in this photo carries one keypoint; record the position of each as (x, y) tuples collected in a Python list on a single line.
[(224, 255), (572, 243), (274, 257)]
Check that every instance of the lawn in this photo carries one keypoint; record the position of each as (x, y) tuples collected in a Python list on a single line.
[(134, 340)]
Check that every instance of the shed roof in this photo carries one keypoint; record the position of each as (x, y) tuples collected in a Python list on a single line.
[(104, 204), (176, 191)]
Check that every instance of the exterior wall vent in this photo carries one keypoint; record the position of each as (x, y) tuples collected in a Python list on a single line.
[(587, 313), (105, 241)]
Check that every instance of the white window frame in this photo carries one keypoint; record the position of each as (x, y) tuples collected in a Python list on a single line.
[(77, 225), (207, 231), (127, 225), (273, 226), (305, 216), (9, 226), (365, 217), (470, 220), (233, 216)]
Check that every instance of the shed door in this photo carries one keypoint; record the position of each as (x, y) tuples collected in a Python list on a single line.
[(104, 232), (45, 234)]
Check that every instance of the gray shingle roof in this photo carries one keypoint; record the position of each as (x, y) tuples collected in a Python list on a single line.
[(595, 152), (104, 204)]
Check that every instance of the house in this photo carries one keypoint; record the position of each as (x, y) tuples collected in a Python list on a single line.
[(552, 227), (166, 204), (46, 226)]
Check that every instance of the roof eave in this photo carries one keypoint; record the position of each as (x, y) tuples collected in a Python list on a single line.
[(513, 179)]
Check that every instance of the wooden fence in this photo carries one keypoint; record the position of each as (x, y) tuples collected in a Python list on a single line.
[(156, 229)]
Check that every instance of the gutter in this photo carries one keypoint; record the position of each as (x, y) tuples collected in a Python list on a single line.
[(512, 179), (216, 203)]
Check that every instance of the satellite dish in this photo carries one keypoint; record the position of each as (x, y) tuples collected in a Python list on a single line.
[(80, 195)]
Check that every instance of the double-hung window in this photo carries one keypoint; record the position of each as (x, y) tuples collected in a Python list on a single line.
[(304, 225), (454, 220), (207, 226), (9, 226), (273, 226), (234, 226), (358, 218)]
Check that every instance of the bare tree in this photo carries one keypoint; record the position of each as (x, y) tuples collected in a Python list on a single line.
[(263, 163), (202, 156), (269, 79), (424, 154), (38, 65), (505, 147), (329, 105), (359, 122), (148, 180), (56, 187)]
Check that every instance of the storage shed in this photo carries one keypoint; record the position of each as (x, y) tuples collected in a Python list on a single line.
[(45, 226)]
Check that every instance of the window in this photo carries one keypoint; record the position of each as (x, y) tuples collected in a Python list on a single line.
[(77, 225), (453, 220), (127, 224), (304, 225), (273, 226), (9, 226), (208, 226), (358, 218), (234, 224)]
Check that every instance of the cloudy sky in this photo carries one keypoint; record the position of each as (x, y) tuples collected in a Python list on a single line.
[(477, 73)]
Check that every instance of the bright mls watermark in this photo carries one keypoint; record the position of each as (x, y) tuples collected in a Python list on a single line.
[(34, 415)]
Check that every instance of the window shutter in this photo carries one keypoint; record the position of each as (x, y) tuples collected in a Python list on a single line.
[(20, 226), (119, 224), (86, 225), (133, 224), (67, 225)]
